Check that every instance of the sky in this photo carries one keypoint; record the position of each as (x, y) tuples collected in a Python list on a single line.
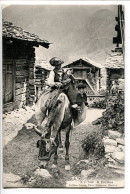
[(76, 31)]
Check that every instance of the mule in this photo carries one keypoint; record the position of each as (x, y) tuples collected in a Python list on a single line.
[(62, 121)]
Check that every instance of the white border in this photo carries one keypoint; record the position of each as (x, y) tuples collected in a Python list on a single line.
[(127, 107), (66, 2)]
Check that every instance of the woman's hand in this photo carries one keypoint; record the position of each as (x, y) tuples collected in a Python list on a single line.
[(74, 106), (48, 84)]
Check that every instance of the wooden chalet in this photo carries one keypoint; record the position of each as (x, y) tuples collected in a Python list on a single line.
[(88, 71), (19, 66), (114, 66), (114, 69)]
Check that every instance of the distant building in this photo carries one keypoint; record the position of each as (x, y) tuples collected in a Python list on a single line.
[(42, 70), (19, 66), (89, 71), (113, 70)]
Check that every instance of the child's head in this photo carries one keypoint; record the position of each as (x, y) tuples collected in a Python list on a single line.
[(81, 87)]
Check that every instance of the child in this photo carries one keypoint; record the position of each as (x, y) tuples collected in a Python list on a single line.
[(78, 109), (81, 97)]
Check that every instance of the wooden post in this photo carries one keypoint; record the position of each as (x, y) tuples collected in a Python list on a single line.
[(32, 85)]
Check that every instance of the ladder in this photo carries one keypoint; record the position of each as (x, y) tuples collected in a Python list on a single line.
[(87, 81)]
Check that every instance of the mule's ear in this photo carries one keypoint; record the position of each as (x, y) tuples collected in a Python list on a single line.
[(38, 144)]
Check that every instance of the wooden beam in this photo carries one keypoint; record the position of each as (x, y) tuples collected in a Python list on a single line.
[(81, 68), (90, 86)]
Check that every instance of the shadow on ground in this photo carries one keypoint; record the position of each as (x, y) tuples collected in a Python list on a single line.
[(20, 154)]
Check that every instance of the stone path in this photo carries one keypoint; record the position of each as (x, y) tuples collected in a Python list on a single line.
[(11, 128), (93, 114)]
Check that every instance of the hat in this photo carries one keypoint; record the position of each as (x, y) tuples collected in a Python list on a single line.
[(56, 61), (81, 85)]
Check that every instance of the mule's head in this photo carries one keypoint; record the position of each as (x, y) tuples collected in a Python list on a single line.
[(46, 148)]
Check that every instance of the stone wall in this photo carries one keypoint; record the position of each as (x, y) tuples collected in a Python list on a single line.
[(114, 151)]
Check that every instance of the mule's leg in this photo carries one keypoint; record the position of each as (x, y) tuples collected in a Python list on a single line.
[(55, 153), (55, 158), (60, 142), (54, 165), (67, 144)]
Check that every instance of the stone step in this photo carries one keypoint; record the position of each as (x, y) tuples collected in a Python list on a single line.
[(120, 141), (114, 134), (115, 166), (118, 156), (110, 142), (119, 172), (110, 149)]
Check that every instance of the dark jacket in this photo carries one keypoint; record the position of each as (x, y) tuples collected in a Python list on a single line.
[(81, 98)]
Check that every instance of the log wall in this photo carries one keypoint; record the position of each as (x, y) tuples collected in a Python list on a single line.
[(40, 77), (23, 56)]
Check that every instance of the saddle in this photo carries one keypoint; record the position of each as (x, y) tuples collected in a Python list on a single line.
[(71, 91)]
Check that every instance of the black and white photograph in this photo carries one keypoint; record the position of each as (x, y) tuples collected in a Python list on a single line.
[(63, 88)]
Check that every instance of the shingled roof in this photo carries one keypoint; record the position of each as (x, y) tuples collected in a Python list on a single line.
[(115, 60), (87, 60), (92, 62), (11, 31)]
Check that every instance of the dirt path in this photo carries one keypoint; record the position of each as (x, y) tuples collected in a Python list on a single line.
[(20, 155)]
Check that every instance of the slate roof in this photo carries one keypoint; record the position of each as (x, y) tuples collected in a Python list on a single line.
[(115, 60), (91, 62), (11, 31)]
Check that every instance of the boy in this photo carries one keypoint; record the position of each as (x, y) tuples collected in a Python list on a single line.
[(81, 96), (78, 109)]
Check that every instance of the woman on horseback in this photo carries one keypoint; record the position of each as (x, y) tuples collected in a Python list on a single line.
[(56, 75), (58, 82)]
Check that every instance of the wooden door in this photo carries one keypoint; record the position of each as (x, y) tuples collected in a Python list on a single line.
[(8, 82)]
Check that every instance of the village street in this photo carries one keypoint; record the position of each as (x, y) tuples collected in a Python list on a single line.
[(52, 49), (20, 152)]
